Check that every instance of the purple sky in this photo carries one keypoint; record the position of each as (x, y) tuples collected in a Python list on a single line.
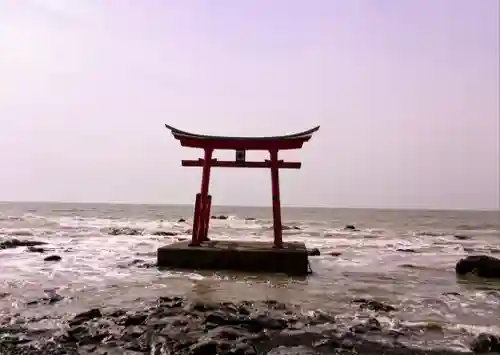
[(406, 93)]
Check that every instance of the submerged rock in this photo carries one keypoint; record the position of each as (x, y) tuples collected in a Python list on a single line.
[(374, 305), (35, 250), (14, 243), (482, 265), (462, 237), (351, 227)]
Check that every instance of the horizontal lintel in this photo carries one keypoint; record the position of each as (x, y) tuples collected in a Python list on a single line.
[(243, 164)]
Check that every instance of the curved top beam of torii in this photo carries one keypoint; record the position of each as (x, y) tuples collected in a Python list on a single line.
[(290, 141), (301, 135)]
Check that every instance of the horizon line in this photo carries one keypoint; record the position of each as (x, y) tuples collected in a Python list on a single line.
[(252, 206)]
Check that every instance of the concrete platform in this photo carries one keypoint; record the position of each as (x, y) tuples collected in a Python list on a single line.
[(236, 255)]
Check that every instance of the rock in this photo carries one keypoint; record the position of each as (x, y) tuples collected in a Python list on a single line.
[(250, 219), (219, 217), (406, 250), (181, 220), (208, 347), (285, 228), (175, 326), (135, 319), (313, 252), (51, 298), (35, 250), (350, 227), (124, 231), (373, 305), (462, 237), (486, 343), (335, 253), (371, 325), (85, 316), (14, 243), (53, 258), (482, 265), (295, 350), (164, 234)]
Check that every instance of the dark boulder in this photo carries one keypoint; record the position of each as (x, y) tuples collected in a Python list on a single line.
[(461, 237), (53, 258), (181, 220), (486, 344), (481, 265)]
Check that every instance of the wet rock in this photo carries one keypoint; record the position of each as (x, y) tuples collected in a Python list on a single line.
[(373, 305), (371, 325), (124, 231), (208, 347), (181, 220), (486, 343), (219, 217), (285, 228), (462, 237), (15, 243), (85, 316), (482, 265), (175, 326), (51, 298), (350, 227), (135, 319), (406, 250), (53, 258), (35, 250), (335, 253), (250, 219), (452, 294), (295, 350), (164, 234), (313, 252)]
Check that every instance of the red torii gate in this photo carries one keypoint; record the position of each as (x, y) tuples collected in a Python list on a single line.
[(240, 145)]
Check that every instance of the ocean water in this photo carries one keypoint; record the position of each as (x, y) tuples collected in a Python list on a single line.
[(402, 257)]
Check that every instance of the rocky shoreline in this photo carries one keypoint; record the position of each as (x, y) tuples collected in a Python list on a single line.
[(175, 325)]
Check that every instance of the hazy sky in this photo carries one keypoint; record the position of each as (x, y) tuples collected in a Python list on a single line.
[(406, 93)]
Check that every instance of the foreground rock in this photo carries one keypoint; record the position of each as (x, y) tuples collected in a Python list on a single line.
[(481, 265), (176, 326)]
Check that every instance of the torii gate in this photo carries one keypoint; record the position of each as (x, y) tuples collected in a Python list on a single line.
[(240, 145)]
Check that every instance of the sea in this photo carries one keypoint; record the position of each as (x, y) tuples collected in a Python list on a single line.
[(405, 258)]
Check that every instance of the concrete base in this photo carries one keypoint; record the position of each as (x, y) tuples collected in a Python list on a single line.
[(292, 259)]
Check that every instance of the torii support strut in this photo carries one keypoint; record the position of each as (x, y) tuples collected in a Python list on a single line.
[(209, 144)]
